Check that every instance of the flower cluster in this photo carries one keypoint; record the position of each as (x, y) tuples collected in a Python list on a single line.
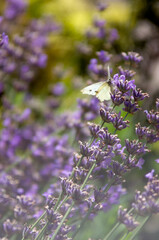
[(58, 170), (144, 205)]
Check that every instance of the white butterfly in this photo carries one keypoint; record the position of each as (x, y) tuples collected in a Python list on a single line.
[(101, 89)]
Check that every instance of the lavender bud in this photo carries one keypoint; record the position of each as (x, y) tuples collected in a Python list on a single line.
[(108, 138), (126, 219), (130, 107), (85, 150), (132, 56), (105, 115)]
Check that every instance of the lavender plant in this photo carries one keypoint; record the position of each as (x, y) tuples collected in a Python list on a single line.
[(57, 170)]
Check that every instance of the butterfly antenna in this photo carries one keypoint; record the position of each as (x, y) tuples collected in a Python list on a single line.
[(108, 72), (109, 77)]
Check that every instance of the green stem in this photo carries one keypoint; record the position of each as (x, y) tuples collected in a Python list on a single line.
[(125, 235), (59, 226), (41, 233), (125, 116), (68, 211), (139, 228), (112, 230), (83, 221), (89, 211), (115, 227), (38, 220), (88, 175), (64, 200), (76, 166), (58, 200)]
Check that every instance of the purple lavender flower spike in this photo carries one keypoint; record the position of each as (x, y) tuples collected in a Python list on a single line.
[(58, 89), (99, 195), (117, 98), (135, 148), (3, 40), (140, 131), (124, 85), (85, 150), (138, 95), (28, 233), (78, 195), (79, 175), (128, 73), (150, 174), (92, 67), (101, 6), (118, 169), (127, 219), (153, 118), (118, 122), (11, 227), (157, 104), (103, 56), (14, 8), (146, 133), (146, 203), (101, 34), (99, 23), (42, 60), (113, 35), (132, 56), (106, 115), (108, 138), (130, 107), (140, 163), (94, 129)]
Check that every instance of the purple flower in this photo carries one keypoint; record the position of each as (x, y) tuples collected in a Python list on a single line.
[(101, 6), (122, 84), (132, 56), (106, 115), (94, 129), (117, 98), (103, 56), (157, 104), (140, 131), (108, 138), (85, 150), (130, 107), (146, 203), (58, 89), (99, 195), (157, 160), (135, 148), (14, 8), (118, 122), (128, 73), (3, 40), (138, 95), (92, 67), (150, 174), (99, 23), (140, 163), (42, 59), (113, 35), (153, 118), (125, 218)]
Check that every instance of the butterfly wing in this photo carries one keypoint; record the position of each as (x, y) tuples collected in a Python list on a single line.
[(93, 89), (104, 92)]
